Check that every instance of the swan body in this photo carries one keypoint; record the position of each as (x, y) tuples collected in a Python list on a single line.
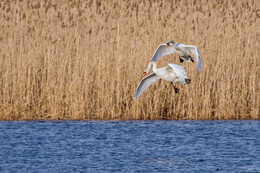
[(172, 72), (181, 49)]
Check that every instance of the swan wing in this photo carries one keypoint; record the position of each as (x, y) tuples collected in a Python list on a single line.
[(195, 51), (180, 72), (161, 51), (145, 83)]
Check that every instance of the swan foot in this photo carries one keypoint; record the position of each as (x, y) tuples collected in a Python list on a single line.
[(181, 60), (176, 90), (192, 59), (187, 81)]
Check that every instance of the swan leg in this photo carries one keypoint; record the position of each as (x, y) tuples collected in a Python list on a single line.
[(187, 81), (176, 90)]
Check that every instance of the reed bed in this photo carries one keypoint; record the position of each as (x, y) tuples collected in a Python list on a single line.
[(83, 60)]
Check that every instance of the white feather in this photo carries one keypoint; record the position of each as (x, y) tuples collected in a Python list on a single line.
[(145, 83), (161, 51), (173, 73), (180, 49)]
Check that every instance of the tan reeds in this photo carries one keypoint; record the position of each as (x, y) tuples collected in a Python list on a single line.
[(84, 60)]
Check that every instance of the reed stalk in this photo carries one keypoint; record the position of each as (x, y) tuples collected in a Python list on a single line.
[(80, 60)]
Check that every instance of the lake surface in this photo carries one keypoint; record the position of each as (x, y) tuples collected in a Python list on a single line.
[(130, 146)]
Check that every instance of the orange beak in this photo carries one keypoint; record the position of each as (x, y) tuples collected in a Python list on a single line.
[(167, 44), (144, 74)]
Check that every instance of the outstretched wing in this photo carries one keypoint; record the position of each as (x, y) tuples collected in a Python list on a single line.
[(180, 72), (195, 51), (161, 51), (145, 83)]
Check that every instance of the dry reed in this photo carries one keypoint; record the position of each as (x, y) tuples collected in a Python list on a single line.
[(83, 60)]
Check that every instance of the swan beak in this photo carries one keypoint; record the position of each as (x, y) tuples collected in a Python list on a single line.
[(167, 44), (144, 74)]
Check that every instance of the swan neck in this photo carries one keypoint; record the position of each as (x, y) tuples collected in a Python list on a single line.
[(152, 65), (175, 45)]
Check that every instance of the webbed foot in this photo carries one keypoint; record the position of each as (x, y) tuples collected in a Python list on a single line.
[(187, 81), (176, 90), (192, 59)]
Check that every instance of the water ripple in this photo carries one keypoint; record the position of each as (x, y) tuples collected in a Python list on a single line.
[(130, 146)]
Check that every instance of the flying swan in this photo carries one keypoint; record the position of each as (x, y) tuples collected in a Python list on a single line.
[(172, 72), (181, 49)]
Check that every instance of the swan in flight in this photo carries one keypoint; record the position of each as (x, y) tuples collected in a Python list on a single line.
[(181, 49), (172, 72)]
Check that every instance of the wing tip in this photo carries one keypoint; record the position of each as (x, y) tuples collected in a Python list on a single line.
[(136, 96), (199, 67)]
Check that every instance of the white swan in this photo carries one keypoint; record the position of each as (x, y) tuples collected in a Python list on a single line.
[(181, 49), (172, 72)]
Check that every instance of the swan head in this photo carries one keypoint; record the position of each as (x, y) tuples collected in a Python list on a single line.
[(146, 71), (171, 42), (150, 66)]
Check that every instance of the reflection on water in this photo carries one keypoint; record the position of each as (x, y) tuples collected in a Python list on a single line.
[(130, 146)]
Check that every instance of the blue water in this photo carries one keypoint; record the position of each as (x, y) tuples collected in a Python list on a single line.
[(130, 146)]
